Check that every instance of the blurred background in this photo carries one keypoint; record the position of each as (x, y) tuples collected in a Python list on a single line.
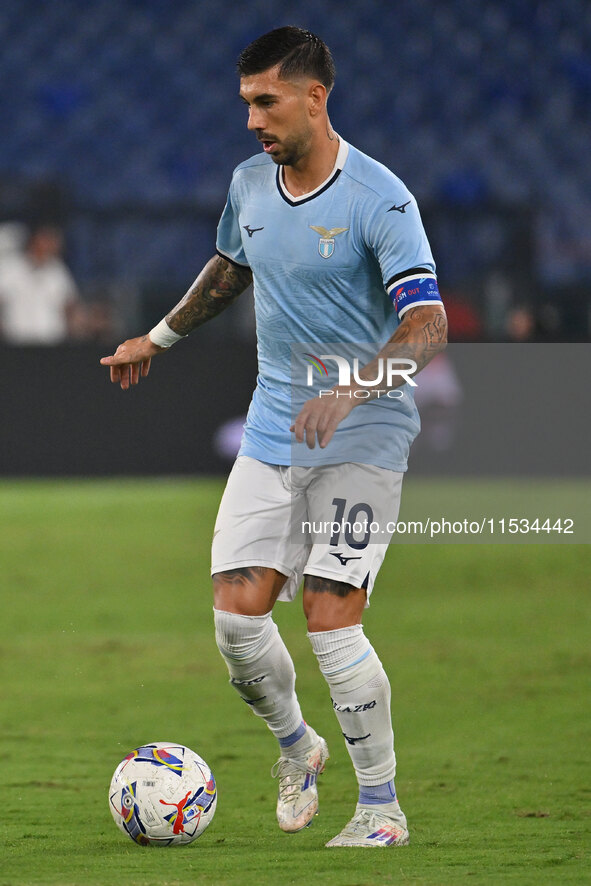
[(121, 125)]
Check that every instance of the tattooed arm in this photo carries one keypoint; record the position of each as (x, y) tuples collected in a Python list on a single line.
[(217, 286), (422, 333)]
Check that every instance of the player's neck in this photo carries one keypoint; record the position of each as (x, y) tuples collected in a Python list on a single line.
[(313, 169)]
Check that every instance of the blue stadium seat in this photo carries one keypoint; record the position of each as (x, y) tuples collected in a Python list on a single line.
[(136, 100)]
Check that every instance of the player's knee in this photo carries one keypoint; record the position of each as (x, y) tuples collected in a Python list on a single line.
[(330, 604), (248, 590), (240, 637)]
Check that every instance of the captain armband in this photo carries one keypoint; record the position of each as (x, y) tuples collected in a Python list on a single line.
[(416, 289), (163, 336)]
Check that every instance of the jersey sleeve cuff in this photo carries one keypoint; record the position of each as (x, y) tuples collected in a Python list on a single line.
[(232, 260)]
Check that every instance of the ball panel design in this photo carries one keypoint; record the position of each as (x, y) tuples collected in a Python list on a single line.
[(163, 794)]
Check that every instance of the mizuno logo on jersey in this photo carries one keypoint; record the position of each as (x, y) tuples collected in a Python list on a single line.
[(401, 208), (250, 231), (326, 243)]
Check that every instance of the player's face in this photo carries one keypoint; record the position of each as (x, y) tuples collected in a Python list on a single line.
[(278, 115)]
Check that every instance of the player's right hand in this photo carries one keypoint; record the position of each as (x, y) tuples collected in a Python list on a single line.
[(131, 361)]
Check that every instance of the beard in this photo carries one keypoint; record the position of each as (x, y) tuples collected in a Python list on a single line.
[(290, 151)]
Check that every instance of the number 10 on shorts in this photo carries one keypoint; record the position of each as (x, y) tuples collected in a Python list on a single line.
[(356, 527)]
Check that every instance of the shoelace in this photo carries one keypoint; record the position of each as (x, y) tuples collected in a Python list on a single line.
[(286, 770), (364, 819)]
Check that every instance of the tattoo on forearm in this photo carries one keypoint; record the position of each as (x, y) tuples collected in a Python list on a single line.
[(421, 334), (435, 332), (217, 286)]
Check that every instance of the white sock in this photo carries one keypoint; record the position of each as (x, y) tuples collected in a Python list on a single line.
[(261, 669), (298, 745), (392, 810), (360, 694)]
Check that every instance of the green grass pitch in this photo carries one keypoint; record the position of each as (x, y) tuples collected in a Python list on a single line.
[(106, 642)]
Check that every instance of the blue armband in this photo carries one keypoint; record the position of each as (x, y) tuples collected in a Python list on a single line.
[(416, 289)]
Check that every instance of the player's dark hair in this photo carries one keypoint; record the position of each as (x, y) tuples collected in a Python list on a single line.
[(296, 51)]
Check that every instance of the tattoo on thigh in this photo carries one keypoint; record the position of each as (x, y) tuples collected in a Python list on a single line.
[(240, 576), (328, 585)]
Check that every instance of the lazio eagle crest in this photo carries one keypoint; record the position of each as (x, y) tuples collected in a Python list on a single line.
[(326, 242)]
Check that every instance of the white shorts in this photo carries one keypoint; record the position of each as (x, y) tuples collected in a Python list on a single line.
[(333, 521)]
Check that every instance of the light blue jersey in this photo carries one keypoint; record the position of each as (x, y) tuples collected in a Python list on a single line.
[(328, 267)]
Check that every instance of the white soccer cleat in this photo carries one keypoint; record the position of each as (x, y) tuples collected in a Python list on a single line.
[(371, 829), (297, 802)]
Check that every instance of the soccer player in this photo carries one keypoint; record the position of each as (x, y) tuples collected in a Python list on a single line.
[(336, 250)]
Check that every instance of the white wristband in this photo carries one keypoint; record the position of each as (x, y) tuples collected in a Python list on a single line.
[(163, 336)]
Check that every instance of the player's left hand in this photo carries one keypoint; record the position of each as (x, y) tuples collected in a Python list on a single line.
[(131, 361), (319, 417)]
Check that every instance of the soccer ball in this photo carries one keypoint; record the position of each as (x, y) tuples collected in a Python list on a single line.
[(163, 794)]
